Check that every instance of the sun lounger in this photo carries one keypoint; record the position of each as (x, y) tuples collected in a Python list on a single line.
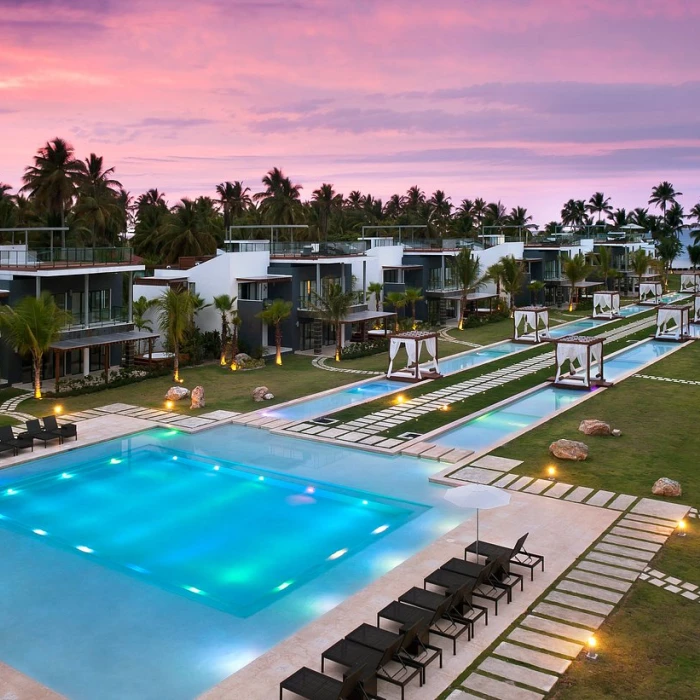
[(67, 430), (499, 579), (313, 685), (514, 555), (8, 438), (34, 431), (7, 448)]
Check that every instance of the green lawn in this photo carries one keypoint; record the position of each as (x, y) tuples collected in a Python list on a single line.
[(658, 421), (649, 647)]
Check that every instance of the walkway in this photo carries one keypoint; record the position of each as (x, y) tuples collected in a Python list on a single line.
[(320, 363)]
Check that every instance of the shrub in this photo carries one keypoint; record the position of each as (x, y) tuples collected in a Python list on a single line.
[(369, 347)]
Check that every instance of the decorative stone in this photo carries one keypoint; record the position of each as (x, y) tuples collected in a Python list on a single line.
[(242, 358), (569, 449), (175, 393), (666, 487), (259, 392), (269, 396), (594, 427), (198, 397), (616, 432)]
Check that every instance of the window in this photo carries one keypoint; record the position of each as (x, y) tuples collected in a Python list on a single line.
[(99, 307), (307, 289), (391, 276)]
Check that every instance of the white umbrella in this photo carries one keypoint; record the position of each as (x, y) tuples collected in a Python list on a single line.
[(631, 227), (479, 496)]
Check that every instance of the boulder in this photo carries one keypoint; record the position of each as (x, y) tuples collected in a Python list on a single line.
[(666, 487), (242, 358), (569, 449), (595, 427), (269, 396), (175, 393), (259, 393), (198, 397)]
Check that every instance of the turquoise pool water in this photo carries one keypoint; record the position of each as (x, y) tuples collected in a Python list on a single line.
[(138, 569), (501, 424)]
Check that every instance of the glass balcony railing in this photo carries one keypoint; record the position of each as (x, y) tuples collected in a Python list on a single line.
[(98, 317), (65, 257)]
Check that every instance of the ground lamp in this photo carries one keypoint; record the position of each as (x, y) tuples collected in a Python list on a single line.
[(591, 645), (551, 473), (681, 528), (478, 496)]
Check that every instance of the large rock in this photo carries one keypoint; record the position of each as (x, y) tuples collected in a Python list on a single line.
[(175, 393), (259, 393), (198, 397), (242, 358), (569, 449), (595, 427), (269, 396), (666, 487)]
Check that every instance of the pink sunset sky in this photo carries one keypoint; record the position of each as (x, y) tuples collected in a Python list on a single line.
[(528, 101)]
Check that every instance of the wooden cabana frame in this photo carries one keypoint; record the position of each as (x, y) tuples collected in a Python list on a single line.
[(535, 324), (650, 293), (679, 316), (414, 342), (584, 357), (606, 305), (690, 283)]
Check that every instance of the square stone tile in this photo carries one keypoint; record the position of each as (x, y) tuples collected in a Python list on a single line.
[(574, 601), (532, 657), (518, 674), (475, 475), (193, 422), (577, 617), (558, 629), (505, 480), (521, 483), (542, 641), (600, 498), (558, 490), (578, 494), (388, 444), (501, 464), (689, 595), (116, 407), (537, 486), (661, 509), (673, 581), (372, 440), (218, 415), (493, 688), (351, 437), (689, 587), (673, 589)]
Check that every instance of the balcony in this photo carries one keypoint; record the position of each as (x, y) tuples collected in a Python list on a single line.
[(113, 316), (21, 258)]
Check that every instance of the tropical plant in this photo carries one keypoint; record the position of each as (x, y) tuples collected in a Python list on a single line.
[(412, 296), (187, 233), (599, 204), (573, 213), (662, 195), (224, 304), (694, 255), (326, 201), (234, 201), (397, 300), (695, 212), (639, 262), (30, 327), (273, 315), (668, 249), (494, 273), (512, 278), (176, 311), (576, 270), (535, 287), (466, 272), (604, 265), (375, 288), (54, 178), (280, 202), (333, 307)]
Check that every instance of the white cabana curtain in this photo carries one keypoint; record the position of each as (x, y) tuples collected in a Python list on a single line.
[(596, 359), (577, 357), (615, 303), (527, 322), (690, 283), (431, 347), (666, 317), (412, 351), (394, 345), (697, 308), (601, 303), (543, 323), (648, 288)]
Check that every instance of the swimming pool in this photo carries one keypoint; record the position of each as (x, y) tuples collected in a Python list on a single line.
[(156, 565)]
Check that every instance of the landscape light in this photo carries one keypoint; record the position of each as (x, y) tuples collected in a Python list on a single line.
[(681, 528), (551, 473), (169, 405), (400, 398), (58, 409), (591, 644), (444, 407), (114, 460), (66, 475), (11, 492)]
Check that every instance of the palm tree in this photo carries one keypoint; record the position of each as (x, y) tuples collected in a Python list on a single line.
[(535, 287), (668, 249), (412, 296), (573, 213), (494, 273), (54, 177), (397, 300), (333, 307), (576, 270), (273, 315), (326, 201), (176, 309), (663, 194), (512, 278), (186, 234), (223, 303), (619, 218), (639, 262), (375, 288), (234, 201), (604, 264), (440, 210), (394, 206), (30, 327), (599, 204), (139, 308), (151, 198), (694, 255), (674, 218), (695, 212), (466, 272), (280, 202)]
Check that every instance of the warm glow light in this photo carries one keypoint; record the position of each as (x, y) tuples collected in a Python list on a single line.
[(58, 410), (223, 361), (571, 306), (681, 524), (337, 355), (234, 366), (400, 398), (445, 408), (592, 642), (338, 554), (551, 472), (169, 405)]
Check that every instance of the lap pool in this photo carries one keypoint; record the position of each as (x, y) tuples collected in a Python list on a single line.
[(156, 565)]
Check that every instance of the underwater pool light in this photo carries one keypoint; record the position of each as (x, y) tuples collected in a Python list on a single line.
[(337, 555), (40, 532), (284, 585), (83, 548), (66, 475), (114, 460), (192, 589), (380, 529), (11, 492)]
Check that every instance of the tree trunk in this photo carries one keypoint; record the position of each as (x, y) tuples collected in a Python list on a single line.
[(462, 307), (338, 342), (278, 343), (37, 375), (414, 316), (223, 338), (176, 362)]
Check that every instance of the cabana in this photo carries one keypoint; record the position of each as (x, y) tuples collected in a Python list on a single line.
[(690, 283), (672, 323), (696, 317), (531, 324), (650, 293), (414, 342), (606, 305), (579, 362)]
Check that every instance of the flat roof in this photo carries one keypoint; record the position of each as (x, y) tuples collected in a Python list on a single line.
[(402, 267), (105, 339), (359, 316), (266, 278)]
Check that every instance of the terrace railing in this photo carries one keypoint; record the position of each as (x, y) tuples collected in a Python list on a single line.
[(65, 257)]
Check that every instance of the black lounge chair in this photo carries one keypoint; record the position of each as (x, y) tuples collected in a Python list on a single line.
[(516, 555), (452, 582), (8, 438), (439, 622), (313, 685), (499, 578), (67, 430), (351, 654), (7, 448), (34, 431)]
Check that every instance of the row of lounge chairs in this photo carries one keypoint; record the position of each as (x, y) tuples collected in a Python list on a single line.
[(50, 431), (370, 654)]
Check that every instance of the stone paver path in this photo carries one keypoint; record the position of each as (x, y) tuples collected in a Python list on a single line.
[(668, 379), (688, 590)]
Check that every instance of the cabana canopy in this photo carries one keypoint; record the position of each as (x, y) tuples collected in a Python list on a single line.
[(696, 317), (531, 324), (413, 342), (579, 362), (650, 293), (672, 323), (690, 283), (606, 305)]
